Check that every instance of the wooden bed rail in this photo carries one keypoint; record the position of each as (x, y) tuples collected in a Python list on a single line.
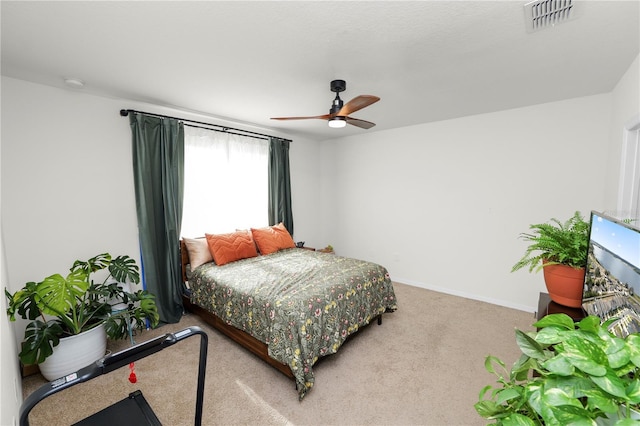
[(245, 340)]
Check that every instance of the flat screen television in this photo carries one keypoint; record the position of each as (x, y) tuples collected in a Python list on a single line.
[(612, 278)]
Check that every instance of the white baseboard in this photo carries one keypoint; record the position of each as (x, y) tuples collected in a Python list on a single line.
[(493, 301)]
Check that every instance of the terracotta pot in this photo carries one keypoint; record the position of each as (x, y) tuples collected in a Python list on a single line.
[(564, 284)]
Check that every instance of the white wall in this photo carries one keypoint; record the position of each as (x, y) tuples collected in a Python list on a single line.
[(67, 180), (625, 108), (441, 204), (11, 389), (305, 189)]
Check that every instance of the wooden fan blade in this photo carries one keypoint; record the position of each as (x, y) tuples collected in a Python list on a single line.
[(360, 123), (357, 103), (321, 117)]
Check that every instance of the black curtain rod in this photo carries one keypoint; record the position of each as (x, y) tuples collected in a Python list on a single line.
[(214, 127)]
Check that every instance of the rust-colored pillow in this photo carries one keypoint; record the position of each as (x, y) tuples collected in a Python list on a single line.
[(272, 238), (230, 247)]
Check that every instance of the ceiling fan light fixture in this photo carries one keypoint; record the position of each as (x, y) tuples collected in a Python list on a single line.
[(340, 113), (337, 122)]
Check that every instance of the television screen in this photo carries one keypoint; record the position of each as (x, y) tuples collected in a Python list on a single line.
[(612, 277)]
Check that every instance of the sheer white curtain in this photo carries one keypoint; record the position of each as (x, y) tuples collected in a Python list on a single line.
[(225, 182)]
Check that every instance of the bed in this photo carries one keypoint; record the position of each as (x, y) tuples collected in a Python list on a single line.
[(291, 306)]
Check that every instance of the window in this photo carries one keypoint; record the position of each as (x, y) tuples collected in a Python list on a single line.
[(225, 182)]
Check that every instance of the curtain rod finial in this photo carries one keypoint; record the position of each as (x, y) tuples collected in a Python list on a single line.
[(124, 112)]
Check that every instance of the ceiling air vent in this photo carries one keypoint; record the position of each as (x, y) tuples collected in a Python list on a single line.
[(542, 14)]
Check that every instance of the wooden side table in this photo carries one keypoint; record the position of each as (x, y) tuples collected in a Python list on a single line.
[(546, 306)]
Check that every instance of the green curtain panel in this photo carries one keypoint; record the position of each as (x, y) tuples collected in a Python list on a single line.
[(158, 169), (280, 184)]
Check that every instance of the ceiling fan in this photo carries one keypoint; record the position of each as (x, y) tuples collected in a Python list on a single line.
[(339, 113)]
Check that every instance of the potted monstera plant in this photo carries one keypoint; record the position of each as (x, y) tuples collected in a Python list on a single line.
[(71, 316), (560, 250), (568, 373)]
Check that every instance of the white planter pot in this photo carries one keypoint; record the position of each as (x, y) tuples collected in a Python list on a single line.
[(75, 352)]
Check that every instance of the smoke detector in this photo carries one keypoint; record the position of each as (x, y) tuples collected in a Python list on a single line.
[(541, 14), (74, 83)]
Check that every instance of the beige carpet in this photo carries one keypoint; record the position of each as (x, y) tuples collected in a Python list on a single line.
[(423, 366)]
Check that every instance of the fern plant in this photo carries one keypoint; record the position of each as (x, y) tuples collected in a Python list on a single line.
[(557, 242)]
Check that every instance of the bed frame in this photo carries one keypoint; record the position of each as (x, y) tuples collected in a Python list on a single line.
[(242, 338)]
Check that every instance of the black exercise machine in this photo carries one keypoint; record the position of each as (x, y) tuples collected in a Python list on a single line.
[(133, 410)]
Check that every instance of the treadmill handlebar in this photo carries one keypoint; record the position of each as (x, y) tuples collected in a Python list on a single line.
[(110, 363)]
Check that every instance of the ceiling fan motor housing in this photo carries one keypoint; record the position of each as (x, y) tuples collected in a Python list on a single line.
[(338, 86), (336, 106)]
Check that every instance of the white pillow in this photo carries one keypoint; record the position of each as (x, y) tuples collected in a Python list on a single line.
[(198, 250)]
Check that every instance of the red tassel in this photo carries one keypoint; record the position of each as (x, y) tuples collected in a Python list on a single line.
[(132, 374)]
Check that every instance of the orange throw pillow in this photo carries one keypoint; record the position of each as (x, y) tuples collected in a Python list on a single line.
[(272, 238), (227, 248)]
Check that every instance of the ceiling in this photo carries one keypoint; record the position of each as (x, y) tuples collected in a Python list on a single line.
[(249, 61)]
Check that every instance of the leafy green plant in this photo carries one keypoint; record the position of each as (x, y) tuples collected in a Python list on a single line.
[(78, 304), (569, 373), (555, 243)]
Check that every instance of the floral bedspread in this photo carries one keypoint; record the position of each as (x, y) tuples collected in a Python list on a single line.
[(303, 304)]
